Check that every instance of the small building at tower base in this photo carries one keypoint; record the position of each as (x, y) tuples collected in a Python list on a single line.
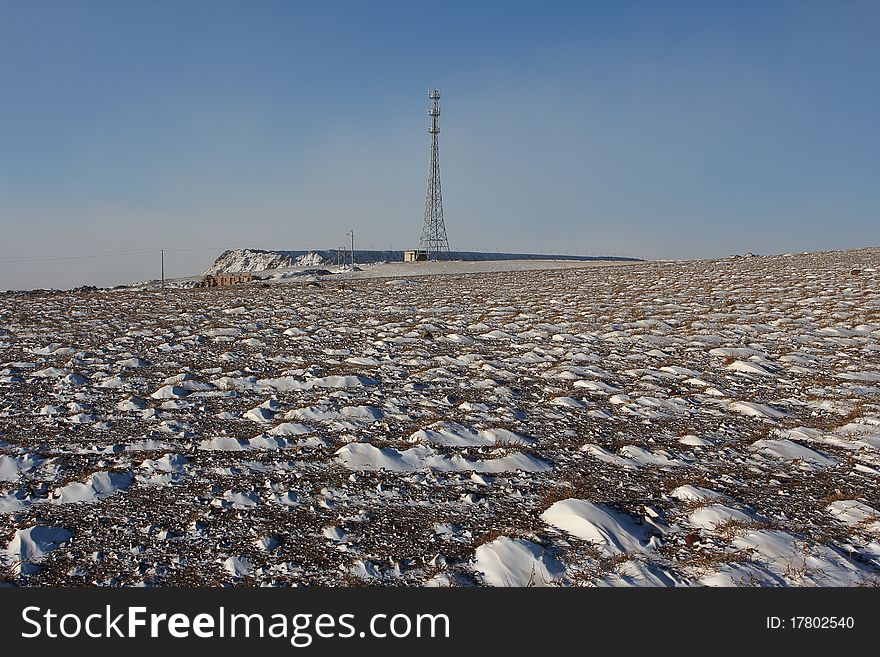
[(417, 255)]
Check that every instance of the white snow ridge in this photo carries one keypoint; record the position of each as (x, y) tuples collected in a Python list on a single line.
[(613, 533)]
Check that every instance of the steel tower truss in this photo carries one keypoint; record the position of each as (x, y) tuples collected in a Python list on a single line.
[(433, 239)]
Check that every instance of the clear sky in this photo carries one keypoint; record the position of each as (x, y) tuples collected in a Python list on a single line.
[(654, 129)]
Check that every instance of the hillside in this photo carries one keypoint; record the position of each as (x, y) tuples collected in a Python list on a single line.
[(235, 260)]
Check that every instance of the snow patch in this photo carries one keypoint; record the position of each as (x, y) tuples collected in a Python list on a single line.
[(516, 562), (612, 532)]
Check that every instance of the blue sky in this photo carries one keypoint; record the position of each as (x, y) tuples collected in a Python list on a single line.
[(654, 129)]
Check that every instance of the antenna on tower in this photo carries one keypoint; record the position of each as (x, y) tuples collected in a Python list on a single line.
[(434, 241)]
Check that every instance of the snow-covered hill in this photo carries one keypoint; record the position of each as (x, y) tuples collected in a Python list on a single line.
[(236, 260)]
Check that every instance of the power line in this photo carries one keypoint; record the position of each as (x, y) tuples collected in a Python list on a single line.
[(76, 257), (47, 258), (259, 244)]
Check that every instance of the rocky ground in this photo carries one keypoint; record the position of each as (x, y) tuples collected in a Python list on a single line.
[(660, 423)]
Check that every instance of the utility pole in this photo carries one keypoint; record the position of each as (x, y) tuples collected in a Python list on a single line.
[(163, 268), (351, 233)]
